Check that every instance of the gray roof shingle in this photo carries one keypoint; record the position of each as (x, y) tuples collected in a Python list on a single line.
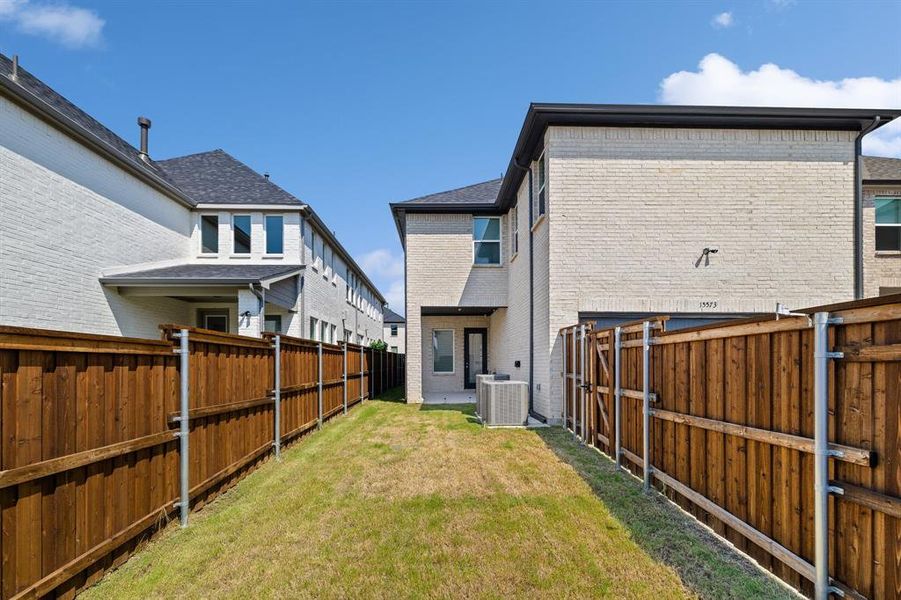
[(876, 168), (216, 177), (478, 193), (393, 317), (200, 273)]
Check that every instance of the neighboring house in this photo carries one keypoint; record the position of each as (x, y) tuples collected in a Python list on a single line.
[(96, 236), (611, 213), (395, 333), (882, 225)]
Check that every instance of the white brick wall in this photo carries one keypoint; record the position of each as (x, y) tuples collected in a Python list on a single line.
[(447, 382), (631, 209), (291, 254), (881, 271), (67, 215), (399, 340)]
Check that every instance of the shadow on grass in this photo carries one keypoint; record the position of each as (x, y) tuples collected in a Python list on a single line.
[(468, 409), (395, 394), (706, 564)]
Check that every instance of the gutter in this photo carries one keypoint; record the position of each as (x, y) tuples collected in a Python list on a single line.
[(31, 103), (858, 206)]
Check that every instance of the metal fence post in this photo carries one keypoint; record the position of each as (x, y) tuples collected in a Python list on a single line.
[(617, 394), (821, 356), (646, 403), (183, 429), (584, 371), (278, 397), (344, 377), (319, 372), (362, 354), (565, 379), (573, 386)]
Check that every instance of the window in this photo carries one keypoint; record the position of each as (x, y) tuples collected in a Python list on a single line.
[(542, 187), (241, 227), (209, 234), (327, 257), (314, 328), (443, 351), (275, 234), (394, 331), (348, 336), (216, 320), (332, 335), (323, 334), (486, 240), (514, 231), (272, 323), (394, 349), (888, 224)]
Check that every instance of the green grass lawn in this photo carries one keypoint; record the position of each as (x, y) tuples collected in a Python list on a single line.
[(406, 501)]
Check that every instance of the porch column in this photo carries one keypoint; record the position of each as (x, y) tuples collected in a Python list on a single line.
[(250, 324)]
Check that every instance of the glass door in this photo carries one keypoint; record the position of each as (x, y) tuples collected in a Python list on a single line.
[(475, 355)]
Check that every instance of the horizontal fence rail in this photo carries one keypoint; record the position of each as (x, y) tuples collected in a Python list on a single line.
[(782, 434), (93, 459)]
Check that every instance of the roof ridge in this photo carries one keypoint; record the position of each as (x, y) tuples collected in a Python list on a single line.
[(452, 190)]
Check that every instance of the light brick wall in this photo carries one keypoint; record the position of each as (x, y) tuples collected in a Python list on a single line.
[(68, 215), (291, 254), (630, 210), (440, 273), (399, 340), (881, 271), (325, 299), (442, 382)]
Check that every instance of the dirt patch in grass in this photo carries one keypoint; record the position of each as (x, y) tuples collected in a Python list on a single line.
[(403, 501)]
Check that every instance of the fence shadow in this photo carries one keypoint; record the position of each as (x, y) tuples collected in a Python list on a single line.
[(705, 563)]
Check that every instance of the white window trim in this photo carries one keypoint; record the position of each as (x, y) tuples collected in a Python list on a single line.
[(200, 251), (500, 242), (878, 225), (266, 252), (453, 353), (514, 232), (542, 186), (241, 254)]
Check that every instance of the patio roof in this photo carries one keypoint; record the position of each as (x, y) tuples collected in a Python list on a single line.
[(204, 274)]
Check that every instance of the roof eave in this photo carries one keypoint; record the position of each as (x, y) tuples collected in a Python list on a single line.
[(26, 100), (400, 209), (881, 182)]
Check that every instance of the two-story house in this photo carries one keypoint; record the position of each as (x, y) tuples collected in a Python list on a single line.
[(395, 332), (609, 213), (97, 236)]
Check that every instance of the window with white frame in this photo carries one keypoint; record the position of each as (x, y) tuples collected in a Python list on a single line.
[(241, 231), (443, 351), (394, 330), (314, 328), (514, 230), (332, 335), (318, 250), (209, 234), (274, 226), (350, 286), (486, 240), (327, 262), (888, 224), (541, 196)]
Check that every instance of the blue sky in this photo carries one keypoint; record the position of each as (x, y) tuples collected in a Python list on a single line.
[(353, 105)]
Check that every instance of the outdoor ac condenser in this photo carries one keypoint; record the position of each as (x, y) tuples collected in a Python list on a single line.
[(505, 403)]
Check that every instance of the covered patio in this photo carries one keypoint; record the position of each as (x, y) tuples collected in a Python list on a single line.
[(242, 299)]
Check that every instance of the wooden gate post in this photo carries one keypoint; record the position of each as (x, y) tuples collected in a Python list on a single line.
[(617, 395)]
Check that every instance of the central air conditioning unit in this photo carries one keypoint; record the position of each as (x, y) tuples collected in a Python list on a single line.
[(504, 403)]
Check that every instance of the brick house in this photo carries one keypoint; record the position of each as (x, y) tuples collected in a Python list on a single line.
[(395, 333), (96, 236), (611, 213), (882, 225)]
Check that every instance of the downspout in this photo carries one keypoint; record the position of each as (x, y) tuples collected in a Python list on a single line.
[(531, 294), (261, 300), (858, 207)]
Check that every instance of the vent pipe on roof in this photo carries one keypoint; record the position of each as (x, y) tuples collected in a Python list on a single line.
[(144, 124), (15, 73)]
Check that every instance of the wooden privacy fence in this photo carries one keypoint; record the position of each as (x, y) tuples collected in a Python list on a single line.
[(783, 434), (91, 452)]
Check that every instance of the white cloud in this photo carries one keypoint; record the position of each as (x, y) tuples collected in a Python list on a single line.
[(387, 270), (70, 26), (723, 20), (720, 81)]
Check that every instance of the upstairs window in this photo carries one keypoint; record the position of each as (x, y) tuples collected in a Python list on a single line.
[(514, 230), (318, 251), (241, 227), (209, 234), (486, 240), (542, 188), (888, 224), (394, 331), (314, 328), (275, 234)]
